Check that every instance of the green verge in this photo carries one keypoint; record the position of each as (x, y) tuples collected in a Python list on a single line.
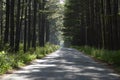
[(10, 61), (110, 57)]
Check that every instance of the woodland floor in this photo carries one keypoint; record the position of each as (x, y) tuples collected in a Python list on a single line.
[(64, 64)]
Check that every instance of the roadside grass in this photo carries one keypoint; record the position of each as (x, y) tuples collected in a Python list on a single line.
[(110, 57), (9, 61)]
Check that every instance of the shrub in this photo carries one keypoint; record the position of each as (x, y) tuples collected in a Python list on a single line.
[(111, 57), (14, 60), (4, 63), (43, 51)]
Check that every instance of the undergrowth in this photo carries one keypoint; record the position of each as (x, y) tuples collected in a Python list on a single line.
[(110, 57), (9, 61)]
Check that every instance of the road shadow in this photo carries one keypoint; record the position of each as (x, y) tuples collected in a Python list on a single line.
[(66, 64)]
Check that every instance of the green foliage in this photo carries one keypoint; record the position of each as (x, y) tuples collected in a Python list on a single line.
[(111, 57), (10, 61), (43, 51), (21, 58), (4, 62), (55, 18)]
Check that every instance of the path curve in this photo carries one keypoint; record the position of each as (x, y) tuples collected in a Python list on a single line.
[(64, 64)]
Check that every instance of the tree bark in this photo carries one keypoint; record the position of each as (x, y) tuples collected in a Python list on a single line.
[(12, 25), (7, 22), (18, 27), (34, 25)]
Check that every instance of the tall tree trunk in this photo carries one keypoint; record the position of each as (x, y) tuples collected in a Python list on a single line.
[(115, 29), (108, 28), (25, 27), (12, 26), (1, 22), (102, 23), (42, 41), (39, 24), (91, 28), (29, 26), (98, 24), (1, 26), (7, 22), (18, 27), (34, 25), (47, 31), (21, 20)]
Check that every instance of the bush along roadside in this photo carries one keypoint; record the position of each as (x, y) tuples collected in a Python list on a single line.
[(9, 61), (110, 57)]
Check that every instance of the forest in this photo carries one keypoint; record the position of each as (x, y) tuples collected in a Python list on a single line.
[(95, 23), (93, 26), (28, 30), (26, 22), (31, 29)]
